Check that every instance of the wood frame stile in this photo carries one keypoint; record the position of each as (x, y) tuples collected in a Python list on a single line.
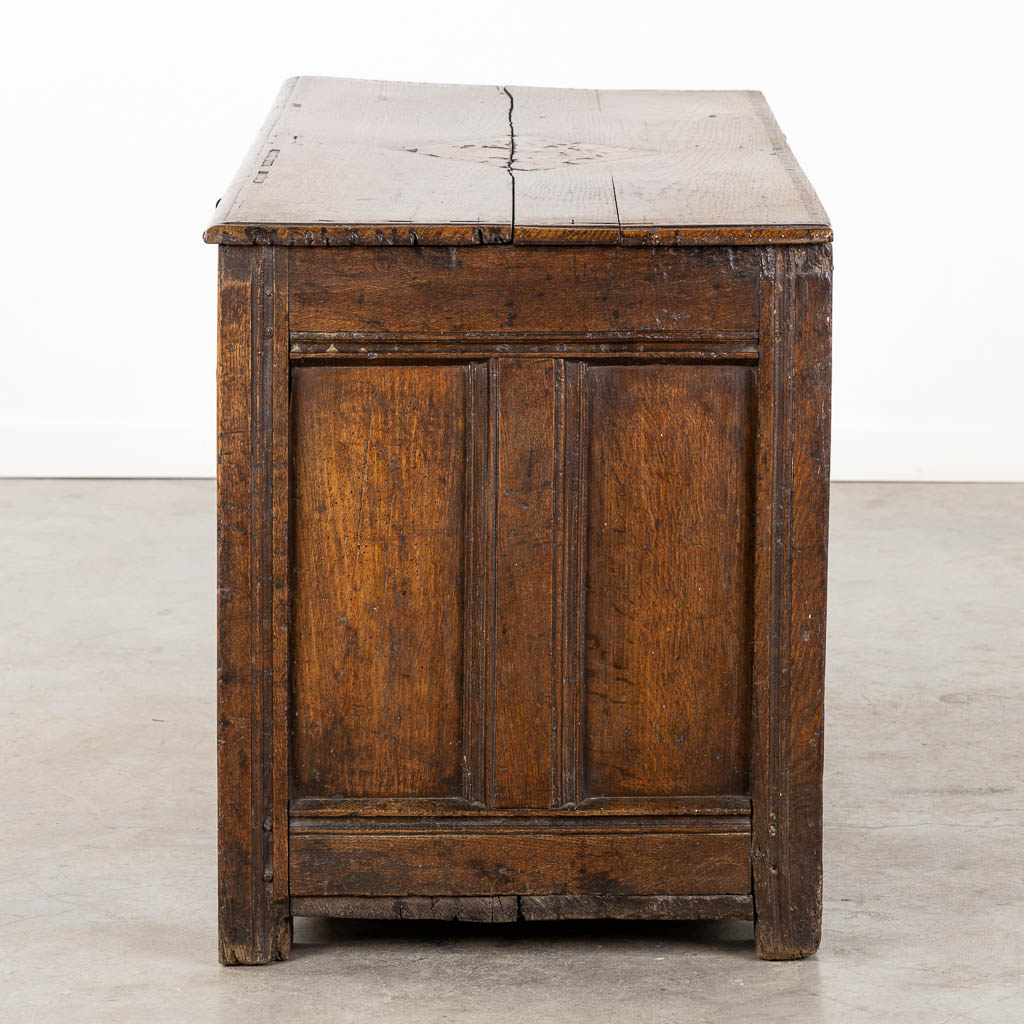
[(792, 475), (791, 555), (252, 604)]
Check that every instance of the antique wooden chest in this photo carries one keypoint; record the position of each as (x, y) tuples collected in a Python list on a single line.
[(523, 496)]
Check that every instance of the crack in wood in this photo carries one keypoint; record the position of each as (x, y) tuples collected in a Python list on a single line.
[(511, 159)]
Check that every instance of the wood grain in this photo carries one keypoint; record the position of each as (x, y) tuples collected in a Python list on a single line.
[(692, 814), (790, 600), (521, 546), (651, 808), (526, 653), (470, 909), (465, 863), (340, 349), (378, 162), (351, 162), (667, 554), (639, 167), (506, 909), (646, 908), (382, 470), (280, 554), (251, 520), (522, 292)]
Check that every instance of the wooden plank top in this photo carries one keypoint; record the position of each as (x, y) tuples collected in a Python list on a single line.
[(350, 162)]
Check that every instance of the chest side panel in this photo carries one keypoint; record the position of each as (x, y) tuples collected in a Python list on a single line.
[(668, 518), (523, 521), (383, 470)]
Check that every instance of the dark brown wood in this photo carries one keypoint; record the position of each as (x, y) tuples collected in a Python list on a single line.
[(511, 292), (251, 673), (383, 502), (526, 651), (789, 651), (646, 908), (666, 627), (280, 488), (482, 164), (473, 909), (329, 863), (654, 809), (496, 909), (326, 349), (522, 548)]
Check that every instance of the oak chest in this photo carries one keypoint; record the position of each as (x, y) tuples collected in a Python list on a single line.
[(522, 511)]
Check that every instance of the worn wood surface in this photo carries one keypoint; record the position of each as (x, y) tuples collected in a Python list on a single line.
[(475, 863), (525, 670), (341, 350), (647, 908), (647, 167), (474, 909), (522, 558), (514, 293), (505, 909), (252, 666), (598, 648), (351, 162), (666, 556), (382, 490), (346, 161), (790, 599), (652, 809)]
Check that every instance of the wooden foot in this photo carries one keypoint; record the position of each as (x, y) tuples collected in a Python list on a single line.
[(272, 941)]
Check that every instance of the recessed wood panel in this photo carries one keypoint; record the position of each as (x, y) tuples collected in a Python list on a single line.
[(382, 488), (667, 520)]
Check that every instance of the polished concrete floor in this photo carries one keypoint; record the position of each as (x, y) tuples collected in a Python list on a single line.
[(107, 873)]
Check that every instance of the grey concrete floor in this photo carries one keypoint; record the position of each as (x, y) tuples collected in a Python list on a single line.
[(107, 872)]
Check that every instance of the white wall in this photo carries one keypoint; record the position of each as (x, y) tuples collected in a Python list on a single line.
[(123, 122)]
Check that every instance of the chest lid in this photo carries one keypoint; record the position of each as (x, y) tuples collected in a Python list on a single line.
[(350, 162)]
